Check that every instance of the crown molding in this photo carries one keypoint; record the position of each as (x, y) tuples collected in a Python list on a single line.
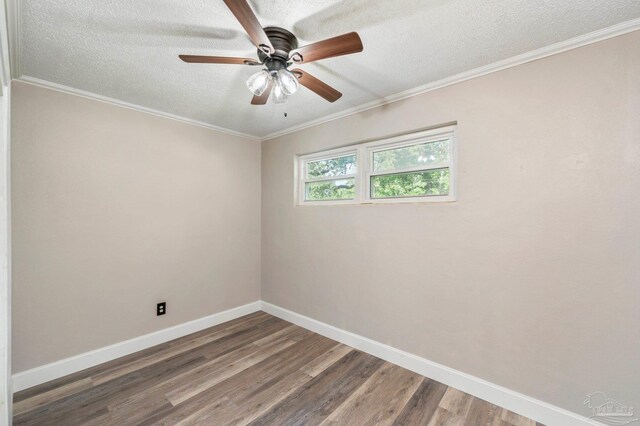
[(85, 94), (13, 18), (12, 11), (553, 49)]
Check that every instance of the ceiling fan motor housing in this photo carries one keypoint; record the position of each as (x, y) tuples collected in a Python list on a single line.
[(283, 42)]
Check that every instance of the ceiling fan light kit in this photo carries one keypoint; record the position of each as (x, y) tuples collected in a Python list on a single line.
[(279, 97), (259, 82), (277, 50), (283, 81), (288, 81)]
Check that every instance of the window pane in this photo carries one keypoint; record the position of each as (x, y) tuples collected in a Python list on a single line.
[(413, 184), (339, 189), (412, 156), (338, 166)]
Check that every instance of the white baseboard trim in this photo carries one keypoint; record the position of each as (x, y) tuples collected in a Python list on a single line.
[(532, 408), (55, 370)]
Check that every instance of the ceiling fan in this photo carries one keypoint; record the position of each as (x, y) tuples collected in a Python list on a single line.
[(277, 51)]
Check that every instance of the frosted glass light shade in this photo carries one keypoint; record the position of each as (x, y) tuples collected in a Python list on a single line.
[(258, 82), (279, 97), (288, 81)]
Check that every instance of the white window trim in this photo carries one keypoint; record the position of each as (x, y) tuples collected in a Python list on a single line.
[(302, 180), (364, 168), (408, 140)]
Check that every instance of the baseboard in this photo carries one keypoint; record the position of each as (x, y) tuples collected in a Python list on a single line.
[(45, 373), (524, 405)]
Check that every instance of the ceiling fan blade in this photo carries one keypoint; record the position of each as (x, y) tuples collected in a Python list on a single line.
[(262, 99), (248, 20), (329, 48), (317, 86), (195, 59)]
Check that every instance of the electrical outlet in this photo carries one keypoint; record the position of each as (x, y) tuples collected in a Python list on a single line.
[(161, 308)]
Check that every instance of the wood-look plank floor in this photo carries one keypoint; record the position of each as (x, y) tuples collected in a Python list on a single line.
[(257, 370)]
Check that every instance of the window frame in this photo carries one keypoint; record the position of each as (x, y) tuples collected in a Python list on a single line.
[(419, 138), (302, 179), (364, 168)]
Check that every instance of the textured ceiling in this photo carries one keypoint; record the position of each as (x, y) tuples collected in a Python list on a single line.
[(128, 50)]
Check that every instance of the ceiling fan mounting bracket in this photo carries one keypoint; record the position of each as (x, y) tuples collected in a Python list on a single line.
[(283, 42)]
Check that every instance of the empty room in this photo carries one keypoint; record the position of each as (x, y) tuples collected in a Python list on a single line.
[(327, 212)]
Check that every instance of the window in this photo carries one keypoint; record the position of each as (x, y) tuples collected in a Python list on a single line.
[(330, 176), (419, 167)]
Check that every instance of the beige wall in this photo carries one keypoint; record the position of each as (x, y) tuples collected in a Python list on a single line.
[(531, 279), (114, 210)]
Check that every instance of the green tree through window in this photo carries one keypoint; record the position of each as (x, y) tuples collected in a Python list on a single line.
[(331, 189), (413, 184), (342, 189), (414, 167)]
